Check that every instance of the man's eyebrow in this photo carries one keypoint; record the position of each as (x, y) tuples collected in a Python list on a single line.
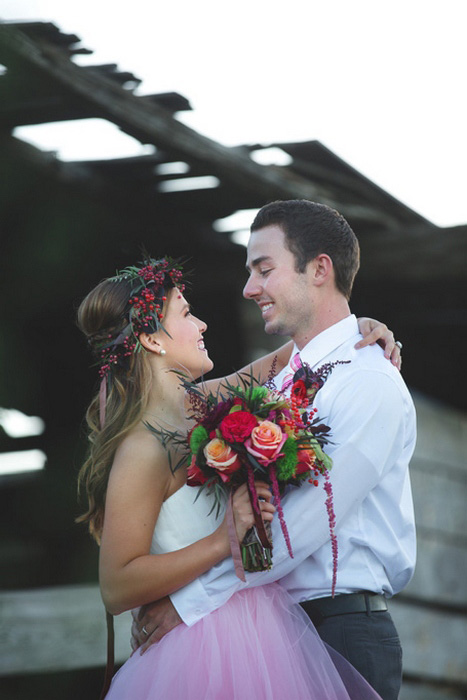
[(258, 261)]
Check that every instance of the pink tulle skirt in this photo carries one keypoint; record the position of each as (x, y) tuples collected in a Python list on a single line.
[(258, 646)]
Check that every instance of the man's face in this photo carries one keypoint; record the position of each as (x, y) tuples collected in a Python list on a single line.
[(283, 295)]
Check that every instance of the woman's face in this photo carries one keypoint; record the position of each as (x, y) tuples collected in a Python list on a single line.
[(185, 346)]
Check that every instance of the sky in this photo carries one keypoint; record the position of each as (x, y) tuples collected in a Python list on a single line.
[(381, 84)]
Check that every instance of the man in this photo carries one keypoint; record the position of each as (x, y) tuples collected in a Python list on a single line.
[(302, 260)]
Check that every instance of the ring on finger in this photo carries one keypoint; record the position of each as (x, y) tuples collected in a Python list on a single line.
[(144, 631), (399, 344)]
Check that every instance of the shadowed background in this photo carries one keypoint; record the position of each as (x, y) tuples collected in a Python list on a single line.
[(66, 225)]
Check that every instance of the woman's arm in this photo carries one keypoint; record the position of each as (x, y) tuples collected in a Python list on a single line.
[(259, 368), (139, 482), (377, 332), (373, 332)]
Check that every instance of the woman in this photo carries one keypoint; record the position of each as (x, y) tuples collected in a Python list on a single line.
[(154, 537)]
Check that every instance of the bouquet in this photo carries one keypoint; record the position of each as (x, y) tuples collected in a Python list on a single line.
[(250, 431)]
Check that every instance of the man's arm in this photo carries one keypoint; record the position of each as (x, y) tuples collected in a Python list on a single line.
[(367, 415), (366, 450), (152, 622), (373, 332)]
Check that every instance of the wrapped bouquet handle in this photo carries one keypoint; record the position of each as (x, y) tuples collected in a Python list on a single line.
[(255, 551), (234, 545)]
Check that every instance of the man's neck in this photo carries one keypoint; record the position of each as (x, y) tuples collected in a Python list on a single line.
[(327, 316)]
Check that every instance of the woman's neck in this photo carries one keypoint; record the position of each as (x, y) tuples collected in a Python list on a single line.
[(166, 401)]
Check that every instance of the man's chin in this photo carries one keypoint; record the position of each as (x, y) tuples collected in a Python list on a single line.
[(272, 328)]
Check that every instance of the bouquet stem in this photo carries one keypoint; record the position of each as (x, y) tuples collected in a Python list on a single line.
[(257, 544), (255, 556)]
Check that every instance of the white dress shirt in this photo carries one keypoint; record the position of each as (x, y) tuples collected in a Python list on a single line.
[(373, 429)]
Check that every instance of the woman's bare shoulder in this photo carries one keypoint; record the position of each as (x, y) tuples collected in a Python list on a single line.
[(140, 448)]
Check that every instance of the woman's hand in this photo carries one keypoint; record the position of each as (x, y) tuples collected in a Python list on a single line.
[(375, 332), (243, 510)]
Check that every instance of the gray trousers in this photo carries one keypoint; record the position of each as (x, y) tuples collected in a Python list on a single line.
[(371, 643)]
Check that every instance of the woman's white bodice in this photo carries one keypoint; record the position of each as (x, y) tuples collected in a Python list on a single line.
[(183, 520)]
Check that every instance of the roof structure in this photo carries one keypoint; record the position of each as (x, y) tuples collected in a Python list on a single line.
[(412, 271), (65, 225)]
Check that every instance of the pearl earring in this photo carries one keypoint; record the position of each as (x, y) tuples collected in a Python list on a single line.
[(162, 352)]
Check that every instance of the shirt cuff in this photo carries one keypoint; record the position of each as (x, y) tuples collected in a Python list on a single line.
[(192, 602)]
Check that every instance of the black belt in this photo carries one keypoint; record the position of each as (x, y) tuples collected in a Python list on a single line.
[(345, 604)]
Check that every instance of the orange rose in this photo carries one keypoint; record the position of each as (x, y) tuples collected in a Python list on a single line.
[(265, 442), (221, 457)]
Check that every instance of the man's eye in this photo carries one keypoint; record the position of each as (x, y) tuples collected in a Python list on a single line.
[(263, 273)]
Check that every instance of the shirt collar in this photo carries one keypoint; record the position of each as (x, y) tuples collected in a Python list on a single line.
[(328, 340)]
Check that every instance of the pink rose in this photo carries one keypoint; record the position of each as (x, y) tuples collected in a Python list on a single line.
[(265, 442), (222, 458), (237, 426)]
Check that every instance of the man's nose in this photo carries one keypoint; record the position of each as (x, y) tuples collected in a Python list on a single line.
[(251, 288)]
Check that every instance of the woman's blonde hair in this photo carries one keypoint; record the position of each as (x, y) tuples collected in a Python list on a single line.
[(101, 314), (112, 317)]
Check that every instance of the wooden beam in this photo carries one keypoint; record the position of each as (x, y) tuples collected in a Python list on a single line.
[(22, 110), (414, 254), (151, 124), (57, 629)]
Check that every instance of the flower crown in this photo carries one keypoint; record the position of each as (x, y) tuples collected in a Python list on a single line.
[(149, 285)]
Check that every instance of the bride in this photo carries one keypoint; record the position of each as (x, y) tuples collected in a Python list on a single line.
[(155, 537)]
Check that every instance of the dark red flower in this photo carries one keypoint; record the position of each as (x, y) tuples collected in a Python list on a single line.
[(237, 426), (195, 476), (216, 414), (305, 461), (299, 390)]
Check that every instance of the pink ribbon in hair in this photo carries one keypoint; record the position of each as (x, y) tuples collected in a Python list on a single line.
[(102, 401)]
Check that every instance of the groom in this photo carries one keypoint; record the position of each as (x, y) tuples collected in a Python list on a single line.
[(302, 260)]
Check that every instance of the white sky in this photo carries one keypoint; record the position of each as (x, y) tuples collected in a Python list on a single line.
[(382, 84)]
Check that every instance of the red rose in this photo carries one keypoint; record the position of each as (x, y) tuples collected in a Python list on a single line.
[(237, 426), (195, 477), (299, 389)]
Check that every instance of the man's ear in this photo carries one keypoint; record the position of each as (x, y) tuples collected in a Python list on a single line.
[(151, 343), (322, 269)]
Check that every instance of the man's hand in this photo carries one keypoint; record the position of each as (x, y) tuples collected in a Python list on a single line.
[(376, 332), (151, 622)]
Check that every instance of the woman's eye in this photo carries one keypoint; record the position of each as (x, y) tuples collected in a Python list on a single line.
[(263, 273)]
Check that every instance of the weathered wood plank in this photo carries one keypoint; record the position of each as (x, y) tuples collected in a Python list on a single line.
[(439, 484), (434, 642), (422, 691), (57, 629), (439, 499), (442, 436), (440, 572), (64, 628)]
